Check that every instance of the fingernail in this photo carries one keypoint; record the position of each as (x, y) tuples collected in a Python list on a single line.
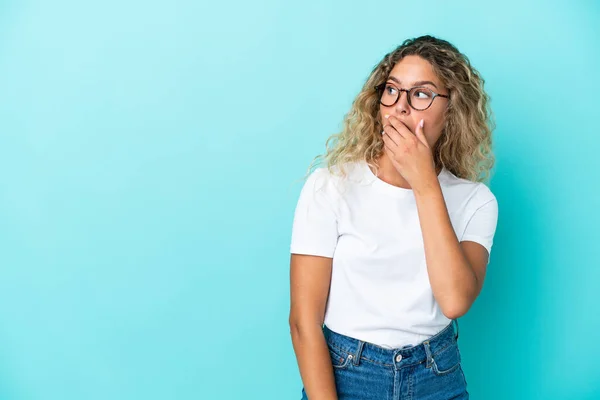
[(386, 116), (421, 123)]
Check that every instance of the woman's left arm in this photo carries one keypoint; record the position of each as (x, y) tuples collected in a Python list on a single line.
[(456, 269)]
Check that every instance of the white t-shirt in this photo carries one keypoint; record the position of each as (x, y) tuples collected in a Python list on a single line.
[(380, 290)]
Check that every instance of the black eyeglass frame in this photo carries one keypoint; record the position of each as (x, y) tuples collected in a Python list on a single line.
[(379, 88)]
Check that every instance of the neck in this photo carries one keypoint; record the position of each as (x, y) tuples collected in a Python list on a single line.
[(389, 174)]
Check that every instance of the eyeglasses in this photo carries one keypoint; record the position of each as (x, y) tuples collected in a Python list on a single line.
[(420, 98)]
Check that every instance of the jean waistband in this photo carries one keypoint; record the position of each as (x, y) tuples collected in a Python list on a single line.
[(407, 355)]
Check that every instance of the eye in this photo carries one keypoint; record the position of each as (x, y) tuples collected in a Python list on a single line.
[(390, 89), (422, 94)]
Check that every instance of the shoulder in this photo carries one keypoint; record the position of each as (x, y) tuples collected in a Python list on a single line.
[(475, 194), (319, 179), (484, 194), (331, 179)]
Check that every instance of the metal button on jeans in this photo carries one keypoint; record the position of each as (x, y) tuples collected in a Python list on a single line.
[(399, 358)]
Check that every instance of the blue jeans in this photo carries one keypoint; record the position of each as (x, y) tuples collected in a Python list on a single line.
[(430, 370)]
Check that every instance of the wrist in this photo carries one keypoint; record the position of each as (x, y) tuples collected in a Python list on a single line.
[(428, 187)]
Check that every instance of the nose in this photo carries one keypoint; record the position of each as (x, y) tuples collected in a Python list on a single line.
[(402, 106)]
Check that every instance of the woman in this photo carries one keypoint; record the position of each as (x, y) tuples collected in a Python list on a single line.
[(390, 241)]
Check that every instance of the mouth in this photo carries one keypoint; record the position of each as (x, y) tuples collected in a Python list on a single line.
[(386, 123)]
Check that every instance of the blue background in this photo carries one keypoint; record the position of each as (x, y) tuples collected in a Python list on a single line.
[(150, 157)]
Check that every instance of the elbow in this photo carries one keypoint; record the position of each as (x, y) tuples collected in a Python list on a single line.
[(456, 308), (302, 325), (454, 313), (459, 302), (305, 331)]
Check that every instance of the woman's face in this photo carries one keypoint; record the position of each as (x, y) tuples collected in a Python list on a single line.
[(415, 71)]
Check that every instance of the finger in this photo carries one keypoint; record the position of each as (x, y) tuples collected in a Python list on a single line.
[(389, 131), (400, 127), (421, 134), (408, 138), (389, 145), (389, 153)]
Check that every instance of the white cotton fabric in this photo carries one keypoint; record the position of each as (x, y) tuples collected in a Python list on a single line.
[(380, 290)]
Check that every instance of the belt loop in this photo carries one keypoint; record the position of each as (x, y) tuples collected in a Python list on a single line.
[(358, 353), (456, 322), (428, 353)]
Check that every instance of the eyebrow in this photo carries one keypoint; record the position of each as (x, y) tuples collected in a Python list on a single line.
[(417, 83)]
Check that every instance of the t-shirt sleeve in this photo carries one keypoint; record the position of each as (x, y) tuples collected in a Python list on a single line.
[(315, 230), (481, 227)]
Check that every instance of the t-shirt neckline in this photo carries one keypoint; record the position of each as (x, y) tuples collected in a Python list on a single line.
[(388, 188)]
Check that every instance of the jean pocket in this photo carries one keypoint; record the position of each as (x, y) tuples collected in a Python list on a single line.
[(339, 358), (446, 361)]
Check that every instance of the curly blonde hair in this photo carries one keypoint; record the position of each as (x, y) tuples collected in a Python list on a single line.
[(465, 145)]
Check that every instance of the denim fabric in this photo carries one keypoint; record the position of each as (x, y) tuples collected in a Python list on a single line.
[(430, 370)]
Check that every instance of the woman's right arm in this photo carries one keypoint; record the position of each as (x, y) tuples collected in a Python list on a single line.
[(310, 278)]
